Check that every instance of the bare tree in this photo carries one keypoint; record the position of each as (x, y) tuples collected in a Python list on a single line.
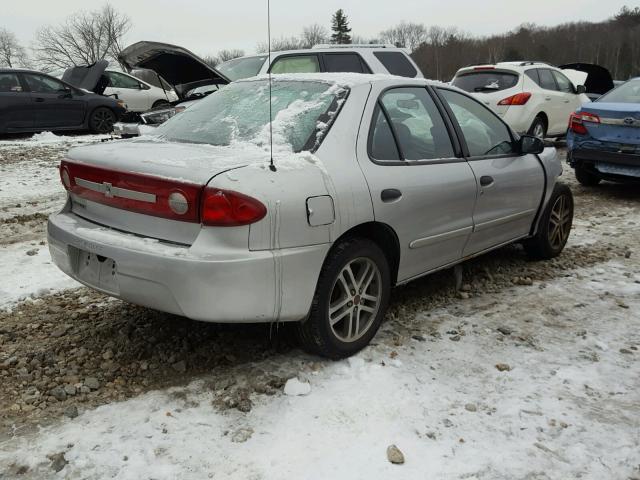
[(83, 39), (314, 35), (12, 54), (222, 56), (405, 35), (279, 44)]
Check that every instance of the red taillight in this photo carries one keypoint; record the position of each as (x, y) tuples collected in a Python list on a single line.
[(576, 122), (135, 192), (226, 208), (517, 99)]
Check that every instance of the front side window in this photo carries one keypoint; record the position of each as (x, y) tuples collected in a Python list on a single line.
[(486, 81), (240, 68), (118, 80), (44, 84), (396, 63), (626, 93), (344, 62), (239, 115), (483, 131), (9, 82), (419, 130), (296, 64), (546, 79), (564, 84)]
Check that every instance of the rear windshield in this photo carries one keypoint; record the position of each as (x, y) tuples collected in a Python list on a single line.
[(486, 81), (302, 112), (240, 68), (626, 93)]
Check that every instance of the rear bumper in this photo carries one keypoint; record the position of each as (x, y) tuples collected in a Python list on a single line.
[(606, 163), (223, 286)]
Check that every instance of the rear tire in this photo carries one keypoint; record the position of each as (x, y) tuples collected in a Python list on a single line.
[(159, 103), (102, 120), (586, 178), (538, 128), (350, 302), (555, 226)]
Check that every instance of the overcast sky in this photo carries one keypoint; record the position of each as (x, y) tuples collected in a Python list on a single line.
[(206, 26)]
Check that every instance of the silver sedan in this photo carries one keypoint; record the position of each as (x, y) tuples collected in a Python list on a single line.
[(369, 182)]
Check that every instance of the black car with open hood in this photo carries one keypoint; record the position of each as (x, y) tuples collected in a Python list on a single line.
[(181, 68), (599, 80)]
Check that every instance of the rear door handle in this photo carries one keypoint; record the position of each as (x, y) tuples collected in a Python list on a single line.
[(39, 99), (548, 99), (486, 181), (390, 195)]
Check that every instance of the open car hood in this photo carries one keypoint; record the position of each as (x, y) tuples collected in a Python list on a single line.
[(176, 65), (88, 77), (598, 81)]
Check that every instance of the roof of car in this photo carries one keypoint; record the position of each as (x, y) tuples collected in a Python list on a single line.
[(344, 79)]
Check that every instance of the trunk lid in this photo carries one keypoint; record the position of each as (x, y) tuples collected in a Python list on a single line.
[(88, 77), (178, 66), (619, 124), (127, 185)]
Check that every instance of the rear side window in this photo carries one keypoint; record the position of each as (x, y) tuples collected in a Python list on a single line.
[(546, 79), (533, 75), (9, 83), (382, 143), (564, 83), (296, 64), (396, 63), (418, 127), (483, 131), (344, 62), (486, 81)]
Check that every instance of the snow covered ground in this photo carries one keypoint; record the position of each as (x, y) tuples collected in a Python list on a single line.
[(566, 405), (533, 381)]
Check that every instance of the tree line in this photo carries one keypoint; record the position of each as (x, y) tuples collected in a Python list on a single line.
[(86, 37)]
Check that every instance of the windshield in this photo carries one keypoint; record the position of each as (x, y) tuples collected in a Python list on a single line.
[(302, 111), (486, 81), (626, 93), (240, 68)]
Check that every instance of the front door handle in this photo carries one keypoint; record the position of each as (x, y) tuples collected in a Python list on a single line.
[(486, 181), (390, 195), (39, 99)]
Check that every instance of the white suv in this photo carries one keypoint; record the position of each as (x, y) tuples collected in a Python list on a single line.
[(385, 59), (531, 97)]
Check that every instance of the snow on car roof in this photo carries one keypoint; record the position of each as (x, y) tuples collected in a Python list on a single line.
[(342, 79)]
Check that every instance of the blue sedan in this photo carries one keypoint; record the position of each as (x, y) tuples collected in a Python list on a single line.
[(604, 137)]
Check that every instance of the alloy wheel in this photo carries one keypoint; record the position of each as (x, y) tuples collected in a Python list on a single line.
[(103, 121), (560, 222), (538, 130), (355, 299)]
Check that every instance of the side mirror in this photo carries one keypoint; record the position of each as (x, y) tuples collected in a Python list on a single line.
[(65, 93), (580, 89), (531, 144)]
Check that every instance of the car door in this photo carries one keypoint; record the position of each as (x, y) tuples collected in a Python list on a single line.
[(129, 90), (570, 101), (16, 111), (510, 185), (419, 184), (55, 104), (553, 100)]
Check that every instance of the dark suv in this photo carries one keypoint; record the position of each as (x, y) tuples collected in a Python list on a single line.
[(32, 101)]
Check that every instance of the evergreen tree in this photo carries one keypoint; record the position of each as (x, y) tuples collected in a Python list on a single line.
[(340, 27)]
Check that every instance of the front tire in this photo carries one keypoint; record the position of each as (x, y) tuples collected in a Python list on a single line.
[(102, 120), (555, 226), (350, 302), (586, 178)]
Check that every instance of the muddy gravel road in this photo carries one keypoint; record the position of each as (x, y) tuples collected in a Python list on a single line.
[(65, 350)]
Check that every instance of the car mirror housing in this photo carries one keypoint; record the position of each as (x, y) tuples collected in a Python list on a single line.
[(531, 144), (580, 89)]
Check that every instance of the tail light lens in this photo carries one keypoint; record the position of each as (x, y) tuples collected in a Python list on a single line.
[(517, 99), (226, 208), (576, 122), (135, 192)]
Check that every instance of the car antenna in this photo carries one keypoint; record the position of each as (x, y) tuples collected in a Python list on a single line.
[(272, 166)]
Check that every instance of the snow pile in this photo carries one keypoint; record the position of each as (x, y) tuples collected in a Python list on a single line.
[(50, 138), (295, 388)]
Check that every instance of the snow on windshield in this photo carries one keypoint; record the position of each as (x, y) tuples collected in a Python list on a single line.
[(238, 115)]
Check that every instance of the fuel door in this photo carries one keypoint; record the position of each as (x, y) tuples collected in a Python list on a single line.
[(320, 211)]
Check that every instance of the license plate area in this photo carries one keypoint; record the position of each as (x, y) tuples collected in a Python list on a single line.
[(97, 271)]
